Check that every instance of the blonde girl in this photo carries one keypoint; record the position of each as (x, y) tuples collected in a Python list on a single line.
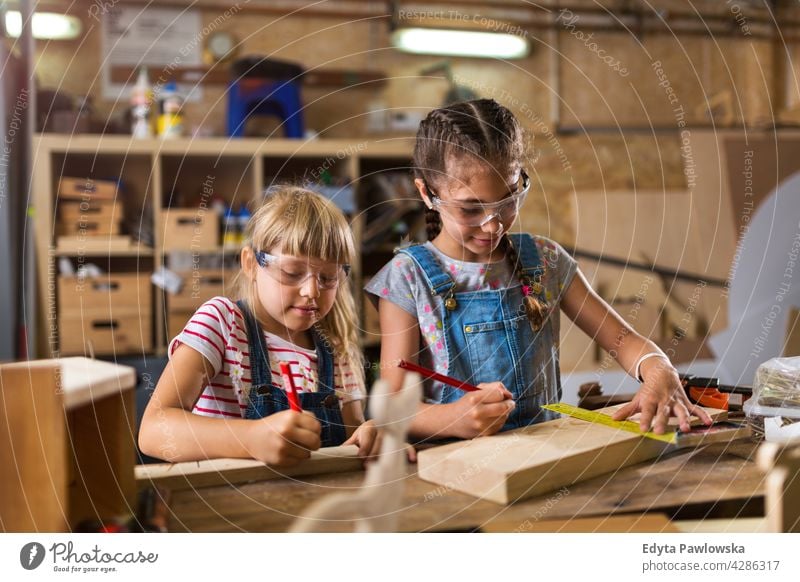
[(222, 394)]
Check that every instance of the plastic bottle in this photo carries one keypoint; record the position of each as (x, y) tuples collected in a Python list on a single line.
[(243, 219), (141, 98), (170, 119), (218, 207), (230, 233)]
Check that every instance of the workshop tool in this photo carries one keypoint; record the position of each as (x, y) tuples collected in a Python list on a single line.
[(702, 434), (709, 392), (703, 391), (430, 374)]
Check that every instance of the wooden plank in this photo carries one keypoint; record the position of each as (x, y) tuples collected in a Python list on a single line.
[(629, 523), (221, 75), (81, 380), (791, 345), (84, 380), (717, 526), (781, 463), (109, 244), (533, 460), (33, 457), (193, 475)]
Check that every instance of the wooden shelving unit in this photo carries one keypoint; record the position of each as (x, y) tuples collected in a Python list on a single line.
[(156, 173)]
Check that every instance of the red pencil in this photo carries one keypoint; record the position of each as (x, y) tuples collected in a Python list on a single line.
[(437, 376), (291, 389)]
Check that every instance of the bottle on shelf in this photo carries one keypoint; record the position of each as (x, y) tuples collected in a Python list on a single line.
[(230, 232), (170, 118), (218, 207), (243, 218), (141, 99)]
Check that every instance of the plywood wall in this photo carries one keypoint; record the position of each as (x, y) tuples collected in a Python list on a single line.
[(562, 81)]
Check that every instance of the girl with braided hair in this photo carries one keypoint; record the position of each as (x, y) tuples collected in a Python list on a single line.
[(479, 303)]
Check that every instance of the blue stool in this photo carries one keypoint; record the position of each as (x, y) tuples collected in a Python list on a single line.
[(255, 96)]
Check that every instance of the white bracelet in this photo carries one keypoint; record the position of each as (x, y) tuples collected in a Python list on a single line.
[(643, 358)]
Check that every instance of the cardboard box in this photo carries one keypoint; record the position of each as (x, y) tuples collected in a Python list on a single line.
[(86, 188), (190, 229)]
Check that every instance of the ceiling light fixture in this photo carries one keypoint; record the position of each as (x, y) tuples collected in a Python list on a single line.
[(460, 43), (46, 25)]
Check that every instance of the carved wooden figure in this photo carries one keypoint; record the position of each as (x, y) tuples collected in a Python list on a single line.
[(374, 507)]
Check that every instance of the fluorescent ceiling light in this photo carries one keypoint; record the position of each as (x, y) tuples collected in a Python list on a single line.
[(460, 43), (46, 25)]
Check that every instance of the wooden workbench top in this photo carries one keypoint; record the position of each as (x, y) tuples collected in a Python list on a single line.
[(713, 481), (84, 380)]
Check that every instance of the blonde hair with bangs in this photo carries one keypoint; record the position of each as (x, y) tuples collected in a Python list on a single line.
[(297, 221)]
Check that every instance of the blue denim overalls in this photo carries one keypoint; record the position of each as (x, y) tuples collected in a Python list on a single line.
[(488, 336), (266, 398)]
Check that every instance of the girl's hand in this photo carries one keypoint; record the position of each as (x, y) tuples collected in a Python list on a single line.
[(483, 412), (368, 438), (284, 438), (660, 397)]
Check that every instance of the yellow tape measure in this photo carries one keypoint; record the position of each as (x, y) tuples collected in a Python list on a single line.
[(604, 419)]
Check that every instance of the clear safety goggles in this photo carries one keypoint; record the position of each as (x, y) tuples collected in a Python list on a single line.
[(479, 213), (294, 272)]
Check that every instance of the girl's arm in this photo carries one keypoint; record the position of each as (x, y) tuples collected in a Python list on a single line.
[(661, 394), (171, 432), (476, 413)]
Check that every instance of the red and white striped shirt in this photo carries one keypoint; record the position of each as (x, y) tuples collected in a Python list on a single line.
[(218, 332)]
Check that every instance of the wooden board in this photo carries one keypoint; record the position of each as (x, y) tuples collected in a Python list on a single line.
[(104, 243), (33, 466), (630, 523), (533, 460), (192, 475), (70, 451)]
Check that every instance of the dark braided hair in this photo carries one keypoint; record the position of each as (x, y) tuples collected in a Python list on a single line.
[(479, 132)]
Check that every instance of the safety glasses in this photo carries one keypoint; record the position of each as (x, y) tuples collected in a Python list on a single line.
[(477, 213), (295, 272)]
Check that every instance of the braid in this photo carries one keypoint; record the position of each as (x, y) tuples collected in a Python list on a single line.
[(433, 223), (535, 308), (481, 131)]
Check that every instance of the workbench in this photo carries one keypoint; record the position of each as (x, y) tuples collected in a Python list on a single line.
[(718, 480), (68, 444)]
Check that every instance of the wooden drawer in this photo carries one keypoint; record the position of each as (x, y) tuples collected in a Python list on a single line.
[(89, 226), (192, 229), (120, 334), (198, 287), (86, 188), (99, 211), (175, 322), (112, 294)]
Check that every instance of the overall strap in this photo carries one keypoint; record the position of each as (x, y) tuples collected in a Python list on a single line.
[(439, 282), (260, 372), (532, 266), (325, 377)]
